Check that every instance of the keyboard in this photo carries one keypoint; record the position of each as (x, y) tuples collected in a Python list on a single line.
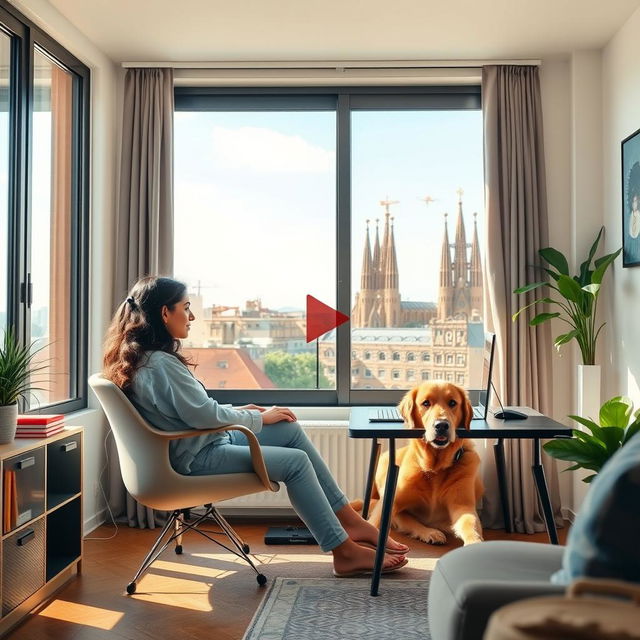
[(385, 414), (478, 413), (391, 414)]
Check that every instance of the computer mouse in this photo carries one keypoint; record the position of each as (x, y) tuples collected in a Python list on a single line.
[(510, 414)]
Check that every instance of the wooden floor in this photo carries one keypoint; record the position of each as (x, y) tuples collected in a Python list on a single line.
[(204, 593)]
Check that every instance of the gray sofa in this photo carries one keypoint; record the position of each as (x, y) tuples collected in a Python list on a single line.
[(470, 583)]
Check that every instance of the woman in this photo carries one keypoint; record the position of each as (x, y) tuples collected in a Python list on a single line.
[(142, 356)]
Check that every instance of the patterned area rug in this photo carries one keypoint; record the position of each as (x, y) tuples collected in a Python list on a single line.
[(332, 609)]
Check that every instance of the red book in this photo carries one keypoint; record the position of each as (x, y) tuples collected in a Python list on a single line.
[(38, 434), (40, 427), (58, 427), (41, 419)]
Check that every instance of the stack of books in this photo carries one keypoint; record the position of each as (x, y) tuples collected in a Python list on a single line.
[(39, 426)]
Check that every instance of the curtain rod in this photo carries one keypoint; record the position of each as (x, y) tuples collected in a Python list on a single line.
[(335, 65)]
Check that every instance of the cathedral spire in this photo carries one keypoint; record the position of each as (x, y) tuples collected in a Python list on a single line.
[(368, 275), (388, 263), (376, 258), (475, 275), (460, 255), (390, 272), (445, 259), (389, 289)]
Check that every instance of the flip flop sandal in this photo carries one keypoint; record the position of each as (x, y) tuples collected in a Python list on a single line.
[(367, 572)]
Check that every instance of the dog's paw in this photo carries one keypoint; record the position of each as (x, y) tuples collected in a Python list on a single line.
[(433, 536), (473, 540)]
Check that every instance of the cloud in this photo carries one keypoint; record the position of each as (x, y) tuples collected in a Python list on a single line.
[(266, 150)]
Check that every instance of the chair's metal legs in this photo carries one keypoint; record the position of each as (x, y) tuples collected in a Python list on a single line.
[(229, 530), (178, 533), (154, 552), (178, 524)]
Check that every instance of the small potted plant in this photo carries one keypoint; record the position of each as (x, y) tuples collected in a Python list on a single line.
[(16, 382), (617, 425)]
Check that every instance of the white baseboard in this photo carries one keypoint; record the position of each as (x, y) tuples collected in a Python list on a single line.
[(94, 521), (568, 514)]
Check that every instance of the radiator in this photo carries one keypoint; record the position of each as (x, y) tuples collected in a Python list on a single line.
[(348, 459)]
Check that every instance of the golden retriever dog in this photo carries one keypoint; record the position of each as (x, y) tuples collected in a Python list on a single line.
[(438, 482)]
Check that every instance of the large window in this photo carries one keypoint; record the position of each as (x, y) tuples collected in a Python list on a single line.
[(6, 90), (44, 207), (368, 199)]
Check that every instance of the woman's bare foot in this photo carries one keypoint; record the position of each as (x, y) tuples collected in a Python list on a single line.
[(351, 558), (360, 530)]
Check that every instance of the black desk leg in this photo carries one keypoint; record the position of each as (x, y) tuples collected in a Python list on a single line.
[(387, 504), (373, 465), (498, 452), (543, 492)]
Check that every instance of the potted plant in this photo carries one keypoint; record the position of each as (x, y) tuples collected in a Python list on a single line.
[(16, 371), (617, 425), (576, 297)]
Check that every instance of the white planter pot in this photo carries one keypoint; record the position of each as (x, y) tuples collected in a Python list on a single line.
[(8, 423), (589, 391)]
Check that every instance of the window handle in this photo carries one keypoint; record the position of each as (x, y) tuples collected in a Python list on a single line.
[(26, 291)]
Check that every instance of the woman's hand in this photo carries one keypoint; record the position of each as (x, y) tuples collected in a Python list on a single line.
[(253, 407), (277, 414)]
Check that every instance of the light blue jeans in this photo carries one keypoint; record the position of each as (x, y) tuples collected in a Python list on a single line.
[(290, 457)]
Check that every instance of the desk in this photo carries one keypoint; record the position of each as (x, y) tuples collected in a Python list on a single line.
[(536, 427)]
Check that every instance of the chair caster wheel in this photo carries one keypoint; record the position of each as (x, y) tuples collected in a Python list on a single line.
[(246, 548), (178, 549), (261, 578), (131, 588)]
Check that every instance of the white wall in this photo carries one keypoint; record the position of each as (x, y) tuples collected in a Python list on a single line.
[(103, 150), (586, 208), (572, 111), (555, 88), (621, 117)]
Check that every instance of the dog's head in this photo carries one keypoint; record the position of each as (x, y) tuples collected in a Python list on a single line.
[(439, 408)]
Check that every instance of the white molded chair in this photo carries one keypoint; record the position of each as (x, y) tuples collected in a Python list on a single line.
[(149, 477)]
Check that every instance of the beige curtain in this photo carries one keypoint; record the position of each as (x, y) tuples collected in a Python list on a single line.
[(516, 214), (144, 222)]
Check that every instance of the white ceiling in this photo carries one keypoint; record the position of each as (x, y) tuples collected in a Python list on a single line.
[(214, 30)]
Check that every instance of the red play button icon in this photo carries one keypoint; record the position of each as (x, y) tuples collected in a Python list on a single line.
[(321, 318)]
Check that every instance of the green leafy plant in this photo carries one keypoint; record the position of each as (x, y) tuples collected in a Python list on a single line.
[(617, 425), (17, 369), (576, 297)]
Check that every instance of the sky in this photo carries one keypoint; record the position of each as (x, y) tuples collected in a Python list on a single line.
[(255, 198)]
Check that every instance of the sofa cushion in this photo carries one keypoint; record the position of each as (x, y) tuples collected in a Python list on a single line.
[(470, 583), (604, 541)]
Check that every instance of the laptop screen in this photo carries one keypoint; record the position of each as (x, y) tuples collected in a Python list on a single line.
[(480, 397)]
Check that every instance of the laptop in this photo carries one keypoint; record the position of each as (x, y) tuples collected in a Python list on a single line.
[(479, 397)]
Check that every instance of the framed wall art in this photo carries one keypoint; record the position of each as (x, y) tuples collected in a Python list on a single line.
[(631, 200)]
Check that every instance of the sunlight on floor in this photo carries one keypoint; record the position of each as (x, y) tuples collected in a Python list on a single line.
[(82, 614), (426, 564), (175, 592)]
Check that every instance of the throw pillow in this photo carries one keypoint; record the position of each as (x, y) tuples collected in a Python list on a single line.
[(604, 541)]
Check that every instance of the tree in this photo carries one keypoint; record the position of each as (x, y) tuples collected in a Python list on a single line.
[(294, 371)]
